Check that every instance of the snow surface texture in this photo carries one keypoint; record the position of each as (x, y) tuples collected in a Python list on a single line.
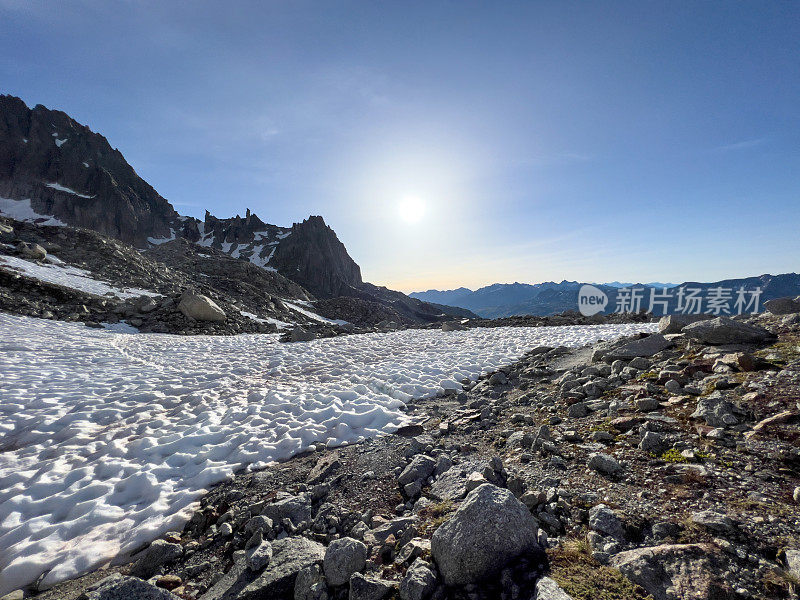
[(68, 276), (109, 439)]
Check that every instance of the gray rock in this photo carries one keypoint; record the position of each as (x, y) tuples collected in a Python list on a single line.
[(793, 563), (547, 589), (782, 306), (723, 330), (498, 378), (310, 584), (714, 521), (418, 583), (295, 508), (675, 572), (715, 410), (259, 556), (118, 587), (443, 464), (796, 494), (368, 588), (420, 467), (647, 404), (452, 326), (653, 443), (604, 463), (31, 251), (640, 363), (672, 386), (627, 348), (289, 556), (604, 520), (344, 557), (490, 528), (577, 410), (676, 323), (324, 468), (299, 334), (158, 554), (199, 307)]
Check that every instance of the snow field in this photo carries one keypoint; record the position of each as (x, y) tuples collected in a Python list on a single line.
[(107, 440)]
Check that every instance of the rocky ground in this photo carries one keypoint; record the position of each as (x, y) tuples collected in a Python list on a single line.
[(665, 466)]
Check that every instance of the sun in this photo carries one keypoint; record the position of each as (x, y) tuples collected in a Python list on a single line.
[(411, 209)]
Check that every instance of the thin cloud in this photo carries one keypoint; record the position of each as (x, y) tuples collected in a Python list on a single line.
[(743, 145)]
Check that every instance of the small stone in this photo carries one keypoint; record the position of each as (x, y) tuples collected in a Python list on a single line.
[(604, 463)]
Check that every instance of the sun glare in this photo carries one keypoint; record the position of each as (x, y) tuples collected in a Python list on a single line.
[(411, 209)]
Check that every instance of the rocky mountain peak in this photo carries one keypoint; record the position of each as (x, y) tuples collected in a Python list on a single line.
[(317, 259), (68, 171)]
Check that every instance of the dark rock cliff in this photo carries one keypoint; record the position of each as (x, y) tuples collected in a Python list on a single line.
[(40, 147), (313, 256)]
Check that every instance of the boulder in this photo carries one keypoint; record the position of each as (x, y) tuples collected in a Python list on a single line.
[(301, 335), (199, 307), (723, 330), (676, 323), (653, 443), (419, 582), (715, 410), (782, 306), (675, 571), (489, 529), (343, 557), (715, 522), (369, 588), (630, 348), (604, 520), (295, 508), (289, 556), (310, 584), (32, 251), (118, 587), (452, 326), (159, 553), (547, 589)]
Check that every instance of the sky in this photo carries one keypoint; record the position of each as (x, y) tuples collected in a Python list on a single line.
[(451, 143)]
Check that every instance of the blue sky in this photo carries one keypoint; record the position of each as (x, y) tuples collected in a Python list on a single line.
[(451, 143)]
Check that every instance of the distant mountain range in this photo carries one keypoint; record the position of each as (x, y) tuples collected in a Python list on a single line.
[(549, 298)]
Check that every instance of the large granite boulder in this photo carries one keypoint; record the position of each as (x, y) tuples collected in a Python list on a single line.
[(626, 348), (489, 529), (199, 307), (723, 330), (676, 323)]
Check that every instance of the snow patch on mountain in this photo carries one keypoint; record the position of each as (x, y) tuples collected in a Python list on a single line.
[(69, 276), (21, 210)]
